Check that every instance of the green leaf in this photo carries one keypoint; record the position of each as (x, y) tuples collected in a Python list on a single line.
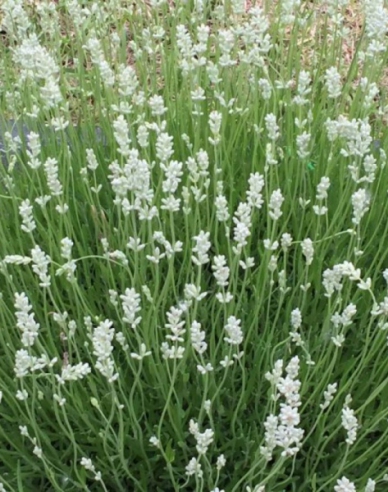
[(170, 453)]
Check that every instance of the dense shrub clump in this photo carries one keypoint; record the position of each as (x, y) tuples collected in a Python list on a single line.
[(193, 261)]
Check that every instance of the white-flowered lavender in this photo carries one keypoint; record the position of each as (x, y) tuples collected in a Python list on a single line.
[(344, 485), (26, 363), (349, 423), (302, 145), (303, 89), (254, 193), (275, 204), (194, 468), (164, 146), (142, 353), (282, 430), (25, 211), (198, 338), (52, 171), (221, 270), (234, 332), (333, 82), (201, 248), (25, 320), (215, 119), (88, 465), (360, 202), (102, 338), (156, 105), (193, 293), (130, 302), (308, 250), (172, 176), (203, 439), (242, 229), (370, 485), (73, 372), (272, 126), (328, 395), (93, 45), (70, 266), (176, 327), (40, 265)]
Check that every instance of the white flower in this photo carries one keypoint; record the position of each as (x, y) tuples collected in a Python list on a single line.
[(143, 352), (157, 106), (21, 395), (17, 259), (88, 464), (370, 486), (344, 485), (205, 369), (222, 212), (203, 439), (155, 441), (194, 468), (197, 337), (296, 319), (215, 119), (322, 188), (270, 246), (102, 339), (333, 82), (234, 332), (249, 263), (66, 246), (135, 244), (131, 306), (289, 415), (329, 395), (275, 203), (25, 320), (265, 88), (338, 340), (254, 194), (286, 241), (360, 202), (201, 248), (221, 462), (193, 292), (308, 250), (320, 209), (224, 298), (40, 264), (51, 170), (221, 270), (226, 362), (164, 147), (175, 325), (28, 222), (350, 424), (271, 126), (174, 352), (43, 200), (302, 145), (61, 401), (23, 431), (38, 452), (73, 372), (303, 88)]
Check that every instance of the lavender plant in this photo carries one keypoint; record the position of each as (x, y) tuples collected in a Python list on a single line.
[(197, 301)]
